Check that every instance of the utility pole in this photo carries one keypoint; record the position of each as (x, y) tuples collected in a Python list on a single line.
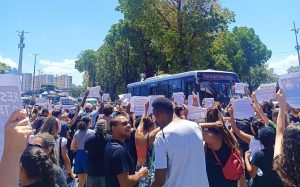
[(296, 30), (34, 72), (21, 45)]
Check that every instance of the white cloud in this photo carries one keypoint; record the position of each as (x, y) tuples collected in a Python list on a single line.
[(8, 61), (67, 66), (281, 66)]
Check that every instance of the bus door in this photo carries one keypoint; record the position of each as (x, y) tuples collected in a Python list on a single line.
[(153, 89), (189, 86)]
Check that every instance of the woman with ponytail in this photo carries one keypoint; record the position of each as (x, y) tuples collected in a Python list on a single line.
[(81, 158), (36, 168)]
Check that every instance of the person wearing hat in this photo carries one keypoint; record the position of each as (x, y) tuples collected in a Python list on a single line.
[(260, 167), (94, 146)]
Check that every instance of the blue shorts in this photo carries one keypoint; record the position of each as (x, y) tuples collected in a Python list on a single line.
[(81, 162)]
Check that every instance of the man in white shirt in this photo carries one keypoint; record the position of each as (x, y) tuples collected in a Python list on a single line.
[(179, 151)]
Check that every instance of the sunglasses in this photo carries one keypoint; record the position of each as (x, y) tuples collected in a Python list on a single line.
[(125, 123), (35, 145)]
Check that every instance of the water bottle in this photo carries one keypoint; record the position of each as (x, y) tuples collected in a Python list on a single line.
[(259, 172)]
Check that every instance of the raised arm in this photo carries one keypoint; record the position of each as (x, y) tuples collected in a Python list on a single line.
[(259, 110), (280, 126), (84, 99)]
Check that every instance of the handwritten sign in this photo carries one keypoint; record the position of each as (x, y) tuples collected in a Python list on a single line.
[(266, 92), (208, 102), (137, 105), (195, 113), (290, 83), (94, 92), (151, 98), (239, 88), (125, 99), (105, 97), (242, 108), (10, 100), (178, 97)]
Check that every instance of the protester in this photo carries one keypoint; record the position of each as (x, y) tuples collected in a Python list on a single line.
[(219, 146), (80, 166), (178, 149), (40, 120), (120, 170), (16, 133), (287, 147), (107, 111), (94, 146), (47, 143), (36, 168)]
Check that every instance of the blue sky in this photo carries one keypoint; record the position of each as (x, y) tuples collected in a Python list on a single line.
[(60, 30)]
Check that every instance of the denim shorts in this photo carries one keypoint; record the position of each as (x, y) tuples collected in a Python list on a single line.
[(81, 162)]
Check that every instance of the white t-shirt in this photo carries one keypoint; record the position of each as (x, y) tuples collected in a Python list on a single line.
[(182, 153), (64, 142)]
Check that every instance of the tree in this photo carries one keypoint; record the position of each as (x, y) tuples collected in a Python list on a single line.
[(4, 68), (293, 69)]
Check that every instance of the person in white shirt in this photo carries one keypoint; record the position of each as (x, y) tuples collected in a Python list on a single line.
[(179, 151)]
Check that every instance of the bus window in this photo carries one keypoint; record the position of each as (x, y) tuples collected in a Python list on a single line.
[(175, 86), (163, 88), (189, 87), (153, 89), (136, 91), (144, 90)]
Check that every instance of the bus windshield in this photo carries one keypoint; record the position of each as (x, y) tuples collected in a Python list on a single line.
[(220, 91)]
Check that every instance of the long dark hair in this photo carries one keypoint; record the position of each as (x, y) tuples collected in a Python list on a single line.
[(38, 166), (214, 115), (84, 123), (287, 164), (48, 141), (50, 126)]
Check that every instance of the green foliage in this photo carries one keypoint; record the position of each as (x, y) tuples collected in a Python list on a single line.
[(76, 91), (293, 69), (4, 68)]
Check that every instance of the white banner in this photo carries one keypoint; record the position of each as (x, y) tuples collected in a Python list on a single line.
[(10, 100), (151, 98), (195, 113), (208, 102), (105, 97), (242, 108), (125, 99), (137, 105), (290, 83), (94, 92), (239, 88), (178, 97)]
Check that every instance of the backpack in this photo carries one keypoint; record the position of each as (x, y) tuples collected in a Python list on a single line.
[(234, 167)]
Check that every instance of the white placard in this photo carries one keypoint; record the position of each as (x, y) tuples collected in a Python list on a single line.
[(40, 101), (255, 145), (266, 92), (178, 97), (94, 92), (125, 99), (242, 108), (190, 100), (208, 102), (10, 100), (137, 105), (151, 98), (239, 88), (290, 83), (105, 97), (195, 113)]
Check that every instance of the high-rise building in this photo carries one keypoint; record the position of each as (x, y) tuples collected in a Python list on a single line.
[(63, 81), (26, 81), (43, 79)]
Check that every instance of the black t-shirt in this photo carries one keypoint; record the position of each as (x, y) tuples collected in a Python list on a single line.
[(244, 125), (130, 143), (263, 160), (117, 160), (214, 169), (294, 119), (95, 145)]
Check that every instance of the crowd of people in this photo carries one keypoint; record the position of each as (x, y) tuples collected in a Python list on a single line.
[(106, 145)]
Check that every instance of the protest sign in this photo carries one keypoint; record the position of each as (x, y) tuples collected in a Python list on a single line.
[(290, 83), (40, 101), (266, 92), (10, 100), (178, 97), (105, 97), (125, 99), (208, 102), (242, 108), (255, 145), (137, 105), (190, 100), (239, 88), (195, 113), (151, 98), (94, 92)]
